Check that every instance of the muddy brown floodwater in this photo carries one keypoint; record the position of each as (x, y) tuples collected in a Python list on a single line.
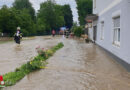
[(77, 66), (12, 55)]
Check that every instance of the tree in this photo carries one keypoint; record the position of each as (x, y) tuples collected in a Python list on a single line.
[(22, 14), (26, 23), (8, 20), (67, 12), (84, 8), (11, 18), (46, 15), (51, 15), (41, 27), (59, 16), (27, 16), (25, 4)]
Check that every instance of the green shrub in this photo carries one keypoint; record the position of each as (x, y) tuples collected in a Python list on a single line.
[(12, 77), (78, 30), (49, 53), (39, 58), (60, 45)]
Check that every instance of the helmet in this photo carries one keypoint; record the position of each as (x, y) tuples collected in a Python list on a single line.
[(18, 28)]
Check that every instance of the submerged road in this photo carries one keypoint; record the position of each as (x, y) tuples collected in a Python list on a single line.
[(13, 55), (77, 66)]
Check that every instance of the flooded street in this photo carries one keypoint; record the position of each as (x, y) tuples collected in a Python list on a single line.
[(77, 66), (13, 56)]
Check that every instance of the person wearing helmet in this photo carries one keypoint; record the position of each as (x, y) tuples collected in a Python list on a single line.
[(18, 35)]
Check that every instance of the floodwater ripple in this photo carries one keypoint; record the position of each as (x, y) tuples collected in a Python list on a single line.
[(77, 66)]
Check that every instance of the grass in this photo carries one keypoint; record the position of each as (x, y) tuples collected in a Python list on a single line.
[(39, 62), (1, 42)]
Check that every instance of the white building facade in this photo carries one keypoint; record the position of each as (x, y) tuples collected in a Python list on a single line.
[(111, 30)]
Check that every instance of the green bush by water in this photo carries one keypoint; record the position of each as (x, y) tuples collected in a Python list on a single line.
[(78, 31)]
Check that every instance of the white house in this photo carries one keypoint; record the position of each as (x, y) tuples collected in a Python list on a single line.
[(111, 28)]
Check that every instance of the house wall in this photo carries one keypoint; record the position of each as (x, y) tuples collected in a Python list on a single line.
[(103, 5), (122, 8)]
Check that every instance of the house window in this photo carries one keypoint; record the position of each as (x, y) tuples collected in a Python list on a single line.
[(102, 30), (116, 37), (94, 4)]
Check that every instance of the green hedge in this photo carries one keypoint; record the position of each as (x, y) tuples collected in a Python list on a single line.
[(78, 31), (39, 62)]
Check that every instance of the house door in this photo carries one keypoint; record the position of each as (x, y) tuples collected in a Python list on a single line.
[(95, 33)]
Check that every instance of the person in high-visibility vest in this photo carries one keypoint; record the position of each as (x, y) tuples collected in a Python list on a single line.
[(18, 36)]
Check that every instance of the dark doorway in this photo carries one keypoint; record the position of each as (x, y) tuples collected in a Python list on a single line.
[(95, 33)]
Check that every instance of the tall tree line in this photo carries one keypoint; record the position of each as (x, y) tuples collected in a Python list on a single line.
[(21, 14), (84, 8), (50, 16)]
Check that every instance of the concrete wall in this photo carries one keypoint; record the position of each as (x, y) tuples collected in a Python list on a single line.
[(103, 5), (122, 8)]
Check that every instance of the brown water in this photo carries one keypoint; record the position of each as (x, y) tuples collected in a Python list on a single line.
[(77, 66), (13, 55)]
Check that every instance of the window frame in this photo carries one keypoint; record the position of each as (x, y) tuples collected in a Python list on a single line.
[(117, 32), (102, 30)]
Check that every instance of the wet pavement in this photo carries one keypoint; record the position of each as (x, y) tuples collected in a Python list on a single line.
[(77, 66)]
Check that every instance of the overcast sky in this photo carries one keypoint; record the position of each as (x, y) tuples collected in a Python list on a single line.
[(36, 5)]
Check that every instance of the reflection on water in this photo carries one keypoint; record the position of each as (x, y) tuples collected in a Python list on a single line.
[(18, 48), (77, 66)]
